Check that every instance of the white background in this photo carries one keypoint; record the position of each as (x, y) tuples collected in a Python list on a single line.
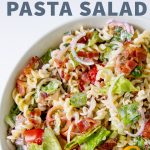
[(18, 34)]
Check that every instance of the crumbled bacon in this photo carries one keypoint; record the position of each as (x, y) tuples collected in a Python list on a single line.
[(108, 145), (130, 58), (85, 124), (87, 54), (33, 63), (146, 132), (81, 85), (20, 86)]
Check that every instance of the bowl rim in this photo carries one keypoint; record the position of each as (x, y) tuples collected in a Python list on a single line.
[(78, 19)]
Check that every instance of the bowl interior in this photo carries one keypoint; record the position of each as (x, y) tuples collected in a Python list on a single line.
[(52, 40)]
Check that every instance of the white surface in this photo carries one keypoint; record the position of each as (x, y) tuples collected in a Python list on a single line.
[(17, 34)]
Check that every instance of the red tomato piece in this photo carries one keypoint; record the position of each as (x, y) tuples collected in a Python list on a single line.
[(146, 132), (34, 136), (92, 74)]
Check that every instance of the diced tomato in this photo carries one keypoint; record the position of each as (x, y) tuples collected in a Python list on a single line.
[(83, 40), (20, 86), (34, 136), (146, 132), (131, 64), (87, 54), (85, 124), (92, 74)]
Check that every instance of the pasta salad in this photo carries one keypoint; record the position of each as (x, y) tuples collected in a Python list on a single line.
[(92, 92)]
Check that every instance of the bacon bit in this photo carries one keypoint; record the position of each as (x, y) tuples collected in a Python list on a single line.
[(85, 124), (20, 86), (126, 70), (67, 76), (92, 74), (62, 141), (147, 114), (83, 40), (35, 112), (108, 145), (130, 58), (131, 64), (87, 54), (33, 115), (61, 63), (44, 95), (146, 132), (141, 54), (136, 53), (81, 85), (33, 63), (85, 78)]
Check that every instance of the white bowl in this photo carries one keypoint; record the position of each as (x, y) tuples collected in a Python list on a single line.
[(52, 39)]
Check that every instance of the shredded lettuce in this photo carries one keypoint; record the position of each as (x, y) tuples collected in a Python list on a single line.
[(51, 87), (96, 139), (122, 86), (95, 39), (34, 146), (129, 114), (11, 117), (78, 140), (121, 35), (140, 142), (75, 63), (50, 142), (46, 57), (78, 100)]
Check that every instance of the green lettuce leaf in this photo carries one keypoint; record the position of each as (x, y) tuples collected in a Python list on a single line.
[(11, 117), (95, 39), (75, 63), (51, 87), (34, 146), (96, 139), (129, 114), (123, 85), (78, 100), (46, 57), (140, 142), (50, 141), (78, 140)]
